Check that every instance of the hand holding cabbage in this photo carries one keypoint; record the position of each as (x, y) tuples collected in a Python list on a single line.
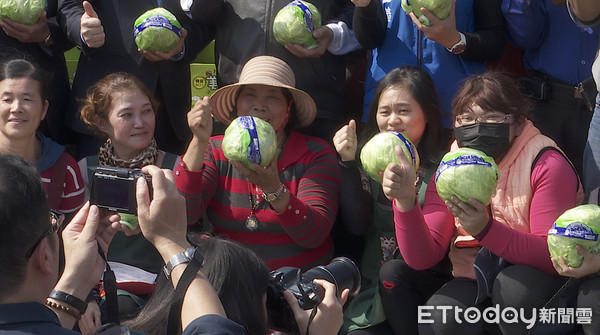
[(295, 23), (576, 226), (22, 11), (439, 8), (379, 151), (157, 30)]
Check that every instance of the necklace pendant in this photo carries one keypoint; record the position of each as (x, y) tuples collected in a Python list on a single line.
[(252, 223)]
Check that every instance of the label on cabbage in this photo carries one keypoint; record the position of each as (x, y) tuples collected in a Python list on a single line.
[(575, 230), (306, 14), (467, 173), (249, 140), (576, 226), (156, 30), (254, 146), (156, 21), (461, 160)]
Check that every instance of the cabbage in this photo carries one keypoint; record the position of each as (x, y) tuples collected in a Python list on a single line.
[(156, 30), (22, 11), (249, 140), (129, 220), (379, 151), (579, 225), (439, 8), (467, 173), (295, 23)]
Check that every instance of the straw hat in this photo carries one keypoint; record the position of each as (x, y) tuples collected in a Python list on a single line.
[(264, 70)]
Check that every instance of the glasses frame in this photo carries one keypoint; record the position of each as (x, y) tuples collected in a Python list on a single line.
[(478, 120), (59, 219)]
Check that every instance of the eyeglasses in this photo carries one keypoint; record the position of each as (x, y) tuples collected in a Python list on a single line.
[(467, 119), (56, 224)]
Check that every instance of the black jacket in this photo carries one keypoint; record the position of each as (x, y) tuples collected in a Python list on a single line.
[(245, 30)]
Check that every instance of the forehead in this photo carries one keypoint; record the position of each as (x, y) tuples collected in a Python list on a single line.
[(22, 85), (476, 109), (257, 88)]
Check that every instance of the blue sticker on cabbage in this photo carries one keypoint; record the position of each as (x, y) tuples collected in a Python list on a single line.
[(408, 146), (247, 122), (576, 230), (308, 21), (156, 21), (461, 160)]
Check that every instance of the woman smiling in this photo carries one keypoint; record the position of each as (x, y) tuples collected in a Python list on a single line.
[(120, 109), (284, 211), (24, 92)]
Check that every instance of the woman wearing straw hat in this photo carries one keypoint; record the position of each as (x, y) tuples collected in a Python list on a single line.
[(284, 211)]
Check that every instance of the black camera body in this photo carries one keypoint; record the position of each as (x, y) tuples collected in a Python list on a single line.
[(341, 271), (113, 188)]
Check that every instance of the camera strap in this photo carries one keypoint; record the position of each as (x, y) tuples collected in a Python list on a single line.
[(188, 275), (306, 298), (110, 292)]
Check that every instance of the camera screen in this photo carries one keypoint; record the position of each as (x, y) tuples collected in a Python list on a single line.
[(113, 193)]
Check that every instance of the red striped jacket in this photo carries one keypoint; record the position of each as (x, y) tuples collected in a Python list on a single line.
[(297, 237)]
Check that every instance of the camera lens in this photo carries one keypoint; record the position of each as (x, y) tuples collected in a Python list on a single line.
[(341, 271)]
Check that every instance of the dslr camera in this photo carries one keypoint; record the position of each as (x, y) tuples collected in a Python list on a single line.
[(113, 188), (341, 271)]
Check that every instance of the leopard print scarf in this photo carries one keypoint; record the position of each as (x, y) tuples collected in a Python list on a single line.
[(106, 156)]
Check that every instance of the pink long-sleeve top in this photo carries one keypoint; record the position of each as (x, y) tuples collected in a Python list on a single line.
[(424, 234)]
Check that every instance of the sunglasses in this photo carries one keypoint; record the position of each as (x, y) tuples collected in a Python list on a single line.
[(56, 224)]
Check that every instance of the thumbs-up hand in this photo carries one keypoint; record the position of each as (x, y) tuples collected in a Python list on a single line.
[(345, 141), (91, 27), (399, 181)]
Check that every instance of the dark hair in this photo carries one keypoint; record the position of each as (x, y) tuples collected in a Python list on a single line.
[(420, 85), (21, 68), (236, 273), (101, 96), (292, 122), (24, 215), (492, 91)]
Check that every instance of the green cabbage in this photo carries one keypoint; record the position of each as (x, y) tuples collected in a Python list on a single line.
[(129, 220), (579, 225), (379, 151), (250, 140), (439, 8), (156, 30), (467, 173), (293, 25), (22, 11)]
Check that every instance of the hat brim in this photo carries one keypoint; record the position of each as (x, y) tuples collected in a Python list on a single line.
[(223, 102)]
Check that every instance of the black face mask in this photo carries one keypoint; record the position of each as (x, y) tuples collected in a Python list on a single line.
[(491, 138)]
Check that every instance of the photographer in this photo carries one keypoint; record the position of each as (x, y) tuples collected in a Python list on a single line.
[(29, 268), (241, 280)]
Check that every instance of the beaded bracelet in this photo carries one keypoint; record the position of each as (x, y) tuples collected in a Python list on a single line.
[(74, 313)]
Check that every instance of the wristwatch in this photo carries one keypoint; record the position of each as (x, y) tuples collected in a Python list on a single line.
[(48, 41), (460, 46), (274, 196), (180, 258)]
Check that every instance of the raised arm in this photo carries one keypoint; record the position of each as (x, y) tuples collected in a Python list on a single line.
[(163, 223), (369, 23)]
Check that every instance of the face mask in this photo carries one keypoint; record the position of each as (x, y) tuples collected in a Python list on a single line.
[(491, 138)]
